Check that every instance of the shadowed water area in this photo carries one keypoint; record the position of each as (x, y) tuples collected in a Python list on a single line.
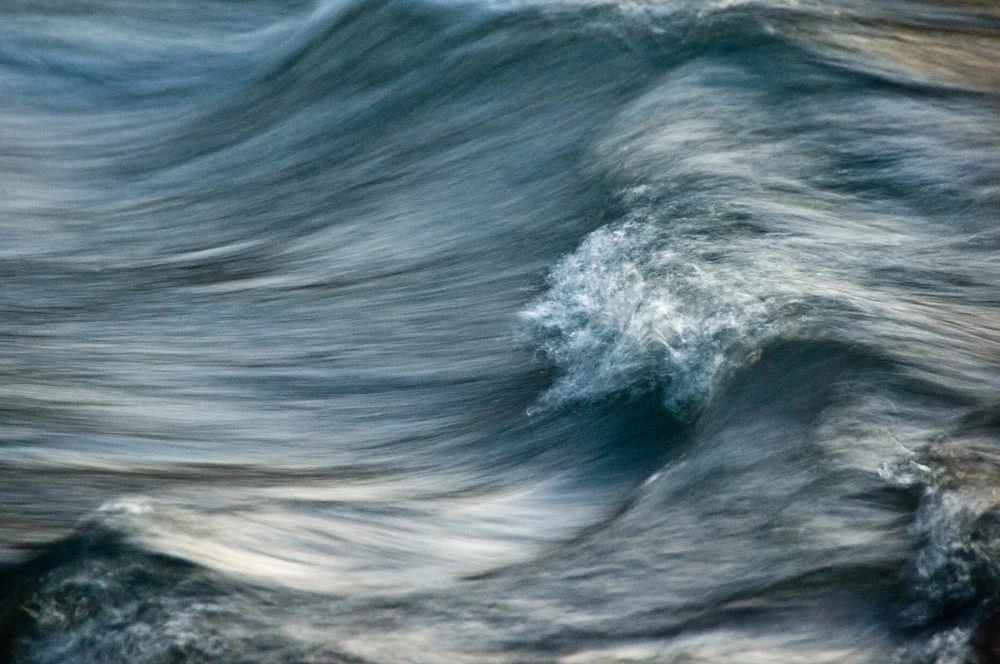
[(384, 331)]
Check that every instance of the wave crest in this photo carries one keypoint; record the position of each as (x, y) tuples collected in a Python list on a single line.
[(629, 312)]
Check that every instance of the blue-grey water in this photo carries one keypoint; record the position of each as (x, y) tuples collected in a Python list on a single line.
[(499, 331)]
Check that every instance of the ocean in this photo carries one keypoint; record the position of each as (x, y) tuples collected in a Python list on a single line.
[(500, 331)]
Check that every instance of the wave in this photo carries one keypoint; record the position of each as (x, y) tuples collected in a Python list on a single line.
[(539, 331)]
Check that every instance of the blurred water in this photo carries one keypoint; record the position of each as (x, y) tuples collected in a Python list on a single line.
[(397, 330)]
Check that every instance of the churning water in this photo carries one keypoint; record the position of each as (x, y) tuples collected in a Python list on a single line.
[(489, 331)]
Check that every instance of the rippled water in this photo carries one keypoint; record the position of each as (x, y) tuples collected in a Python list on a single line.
[(525, 331)]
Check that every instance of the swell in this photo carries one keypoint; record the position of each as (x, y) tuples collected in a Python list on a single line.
[(279, 294)]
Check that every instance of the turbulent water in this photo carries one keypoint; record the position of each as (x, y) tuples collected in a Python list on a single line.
[(489, 331)]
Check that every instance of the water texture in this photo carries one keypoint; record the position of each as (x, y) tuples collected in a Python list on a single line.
[(496, 331)]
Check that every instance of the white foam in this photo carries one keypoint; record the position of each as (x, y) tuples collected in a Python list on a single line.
[(627, 313)]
